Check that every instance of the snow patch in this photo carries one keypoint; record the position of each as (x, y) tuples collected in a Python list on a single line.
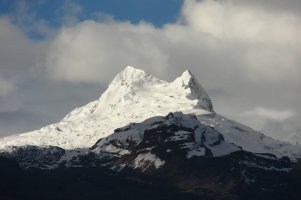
[(195, 152), (143, 161), (251, 164)]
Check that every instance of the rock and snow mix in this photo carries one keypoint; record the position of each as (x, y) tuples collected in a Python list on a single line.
[(148, 143)]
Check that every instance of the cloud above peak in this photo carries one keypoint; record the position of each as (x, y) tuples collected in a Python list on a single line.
[(263, 44), (226, 20), (94, 52)]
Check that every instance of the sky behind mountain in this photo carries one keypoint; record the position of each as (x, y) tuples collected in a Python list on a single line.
[(57, 55)]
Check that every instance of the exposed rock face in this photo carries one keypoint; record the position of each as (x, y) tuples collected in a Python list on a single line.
[(35, 157), (149, 144)]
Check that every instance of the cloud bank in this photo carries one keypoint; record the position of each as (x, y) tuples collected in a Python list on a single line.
[(246, 53)]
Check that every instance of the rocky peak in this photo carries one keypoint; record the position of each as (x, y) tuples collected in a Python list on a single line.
[(187, 81), (132, 76)]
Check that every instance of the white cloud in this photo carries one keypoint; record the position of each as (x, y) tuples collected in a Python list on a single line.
[(94, 52), (226, 20), (256, 43), (270, 40)]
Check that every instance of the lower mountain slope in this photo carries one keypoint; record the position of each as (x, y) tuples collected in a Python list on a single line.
[(170, 157)]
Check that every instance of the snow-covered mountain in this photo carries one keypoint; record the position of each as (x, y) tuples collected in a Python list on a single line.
[(145, 138), (134, 96), (157, 141), (175, 150), (151, 142)]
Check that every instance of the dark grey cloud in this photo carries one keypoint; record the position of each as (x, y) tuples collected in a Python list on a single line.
[(20, 121), (37, 103)]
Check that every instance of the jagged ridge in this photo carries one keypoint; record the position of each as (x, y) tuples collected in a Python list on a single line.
[(134, 96)]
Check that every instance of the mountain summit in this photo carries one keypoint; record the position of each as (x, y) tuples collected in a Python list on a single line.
[(195, 90), (134, 96), (134, 85), (132, 75)]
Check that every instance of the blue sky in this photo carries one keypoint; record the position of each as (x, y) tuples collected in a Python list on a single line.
[(52, 12)]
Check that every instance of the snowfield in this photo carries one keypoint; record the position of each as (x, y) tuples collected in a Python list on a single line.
[(134, 96)]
